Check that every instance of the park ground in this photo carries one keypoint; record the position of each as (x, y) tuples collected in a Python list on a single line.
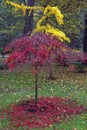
[(18, 85)]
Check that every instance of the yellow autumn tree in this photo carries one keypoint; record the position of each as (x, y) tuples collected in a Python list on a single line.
[(47, 12)]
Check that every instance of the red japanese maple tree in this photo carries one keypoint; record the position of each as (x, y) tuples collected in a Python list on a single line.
[(39, 49)]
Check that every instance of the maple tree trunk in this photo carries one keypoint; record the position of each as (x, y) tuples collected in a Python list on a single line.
[(36, 87), (85, 37), (29, 19)]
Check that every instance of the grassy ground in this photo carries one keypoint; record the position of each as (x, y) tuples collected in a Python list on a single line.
[(19, 85)]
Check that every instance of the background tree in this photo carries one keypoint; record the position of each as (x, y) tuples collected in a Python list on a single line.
[(73, 11), (28, 25), (85, 37), (10, 25), (74, 19)]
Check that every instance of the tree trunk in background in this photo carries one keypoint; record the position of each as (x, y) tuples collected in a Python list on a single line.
[(51, 77), (36, 86), (29, 19), (85, 36)]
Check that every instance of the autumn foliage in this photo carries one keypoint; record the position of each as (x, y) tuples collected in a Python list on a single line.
[(41, 49), (37, 50), (49, 110)]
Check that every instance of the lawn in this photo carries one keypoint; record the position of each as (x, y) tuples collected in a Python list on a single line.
[(18, 85)]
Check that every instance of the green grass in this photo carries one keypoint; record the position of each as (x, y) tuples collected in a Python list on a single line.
[(19, 85)]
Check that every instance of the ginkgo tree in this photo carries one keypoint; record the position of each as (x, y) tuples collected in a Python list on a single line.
[(47, 12), (71, 10)]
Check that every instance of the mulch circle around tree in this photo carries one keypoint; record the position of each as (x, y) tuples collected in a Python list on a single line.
[(49, 110)]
